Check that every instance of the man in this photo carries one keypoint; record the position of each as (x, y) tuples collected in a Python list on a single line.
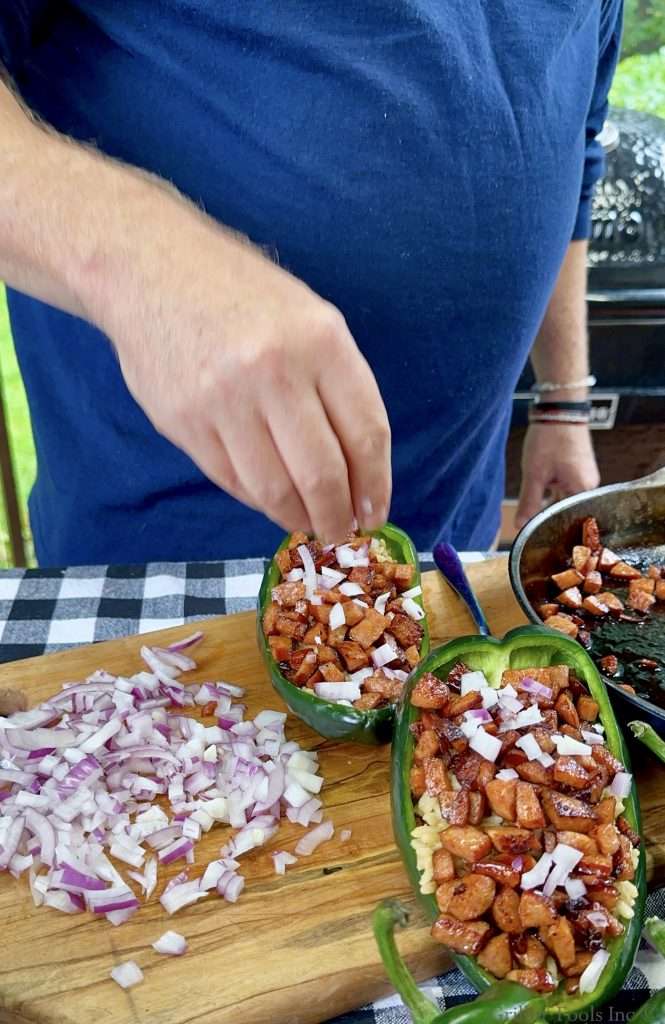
[(389, 202)]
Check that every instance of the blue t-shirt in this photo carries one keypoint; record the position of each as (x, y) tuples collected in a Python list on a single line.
[(422, 164)]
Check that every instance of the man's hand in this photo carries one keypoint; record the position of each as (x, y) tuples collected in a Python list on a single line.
[(557, 458), (237, 362)]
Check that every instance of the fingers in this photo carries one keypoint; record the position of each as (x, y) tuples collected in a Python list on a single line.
[(307, 444), (261, 472), (358, 416)]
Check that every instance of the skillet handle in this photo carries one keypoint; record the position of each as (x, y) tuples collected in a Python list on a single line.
[(451, 568)]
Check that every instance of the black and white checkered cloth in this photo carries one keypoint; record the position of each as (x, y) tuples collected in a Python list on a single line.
[(44, 610)]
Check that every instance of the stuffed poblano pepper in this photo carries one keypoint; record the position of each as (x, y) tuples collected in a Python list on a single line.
[(517, 817), (340, 627)]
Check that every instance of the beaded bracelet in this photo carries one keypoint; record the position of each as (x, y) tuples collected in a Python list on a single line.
[(570, 385)]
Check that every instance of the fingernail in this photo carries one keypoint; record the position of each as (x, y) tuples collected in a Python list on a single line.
[(367, 508)]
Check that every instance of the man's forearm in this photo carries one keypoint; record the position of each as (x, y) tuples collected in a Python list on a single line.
[(560, 351)]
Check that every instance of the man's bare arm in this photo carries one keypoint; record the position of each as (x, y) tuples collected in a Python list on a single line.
[(559, 457), (233, 359)]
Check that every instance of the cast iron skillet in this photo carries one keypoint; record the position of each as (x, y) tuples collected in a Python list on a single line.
[(631, 517)]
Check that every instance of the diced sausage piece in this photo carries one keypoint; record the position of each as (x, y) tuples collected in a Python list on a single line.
[(443, 867), (458, 705), (467, 937), (607, 838), (640, 601), (407, 632), (609, 663), (568, 812), (283, 559), (390, 689), (403, 576), (571, 597), (560, 939), (537, 979), (501, 794), (412, 655), (288, 594), (533, 771), (614, 603), (288, 624), (623, 861), (626, 830), (602, 756), (429, 692), (593, 583), (580, 556), (567, 710), (563, 624), (331, 673), (529, 812), (452, 737), (327, 654), (555, 676), (507, 839), (368, 701), (606, 810), (543, 738), (466, 842), (477, 807), (270, 619), (353, 613), (500, 869), (363, 575), (660, 590), (536, 910), (645, 583), (496, 957), (587, 708), (595, 864), (568, 771), (592, 564), (579, 964), (528, 951), (353, 655), (466, 766), (315, 633), (455, 807), (623, 571), (306, 668), (607, 559), (370, 629), (417, 781), (567, 578), (591, 534), (436, 776), (321, 612), (654, 573), (427, 745), (547, 609), (466, 898), (280, 647), (594, 605), (333, 596), (295, 540), (602, 890), (506, 911), (585, 844)]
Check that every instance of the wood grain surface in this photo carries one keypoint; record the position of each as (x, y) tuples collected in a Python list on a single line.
[(295, 949)]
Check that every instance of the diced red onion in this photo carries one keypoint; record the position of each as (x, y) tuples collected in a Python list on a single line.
[(545, 759), (337, 691), (170, 944), (281, 859), (189, 641), (537, 876), (333, 575), (470, 681), (413, 591), (575, 888), (384, 655), (591, 737), (565, 858), (530, 685), (414, 610), (309, 842), (621, 785), (590, 976), (351, 589), (506, 774), (180, 896), (486, 745), (529, 745), (337, 617), (295, 575), (310, 570), (568, 745), (597, 918), (381, 602), (529, 716), (127, 974), (490, 697)]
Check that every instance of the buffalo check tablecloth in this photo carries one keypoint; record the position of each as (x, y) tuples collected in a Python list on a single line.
[(45, 610)]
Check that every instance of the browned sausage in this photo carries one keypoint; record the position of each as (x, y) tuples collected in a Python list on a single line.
[(536, 910), (529, 812), (537, 979), (559, 938), (501, 794), (496, 957), (466, 842), (505, 911), (443, 867), (467, 937), (466, 898), (507, 839)]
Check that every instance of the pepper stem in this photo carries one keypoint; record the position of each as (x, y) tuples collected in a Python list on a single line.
[(388, 914), (649, 737)]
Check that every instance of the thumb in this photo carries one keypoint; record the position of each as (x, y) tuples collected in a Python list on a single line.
[(530, 501)]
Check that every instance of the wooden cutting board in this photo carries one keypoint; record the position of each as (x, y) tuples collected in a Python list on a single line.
[(295, 949)]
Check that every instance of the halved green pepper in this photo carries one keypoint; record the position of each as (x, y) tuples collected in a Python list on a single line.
[(524, 647), (337, 721), (504, 1001)]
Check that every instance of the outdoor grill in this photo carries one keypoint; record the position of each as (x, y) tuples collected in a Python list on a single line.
[(626, 303)]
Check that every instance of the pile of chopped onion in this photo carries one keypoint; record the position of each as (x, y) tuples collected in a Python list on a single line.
[(82, 774)]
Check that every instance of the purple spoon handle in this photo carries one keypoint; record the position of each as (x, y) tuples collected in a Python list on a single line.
[(451, 568)]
